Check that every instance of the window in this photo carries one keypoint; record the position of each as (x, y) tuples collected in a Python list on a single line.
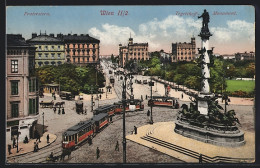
[(33, 106), (40, 48), (59, 48), (52, 47), (24, 52), (74, 60), (40, 55), (14, 66), (93, 45), (46, 55), (32, 85), (46, 48), (52, 55), (14, 110), (87, 45), (14, 87), (78, 60), (58, 55)]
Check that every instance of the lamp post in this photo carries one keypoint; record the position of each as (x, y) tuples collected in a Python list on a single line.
[(17, 151), (92, 103), (130, 76), (42, 123), (151, 84)]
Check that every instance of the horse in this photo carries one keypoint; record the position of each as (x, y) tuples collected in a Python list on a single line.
[(64, 153)]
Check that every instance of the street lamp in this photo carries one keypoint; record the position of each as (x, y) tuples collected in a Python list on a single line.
[(42, 123), (17, 151), (131, 107), (151, 84)]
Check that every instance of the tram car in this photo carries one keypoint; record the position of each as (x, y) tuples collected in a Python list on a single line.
[(84, 130), (100, 121), (139, 106), (77, 134), (163, 101), (109, 109)]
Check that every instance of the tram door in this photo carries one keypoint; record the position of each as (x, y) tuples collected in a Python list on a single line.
[(76, 138)]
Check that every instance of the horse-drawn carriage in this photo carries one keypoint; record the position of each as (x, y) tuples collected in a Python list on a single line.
[(47, 104)]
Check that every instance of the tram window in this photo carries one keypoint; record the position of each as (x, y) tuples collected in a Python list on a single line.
[(69, 138), (73, 137), (65, 138)]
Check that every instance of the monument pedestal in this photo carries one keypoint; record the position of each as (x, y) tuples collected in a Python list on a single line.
[(209, 133)]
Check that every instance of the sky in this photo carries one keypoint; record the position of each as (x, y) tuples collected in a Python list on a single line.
[(160, 26)]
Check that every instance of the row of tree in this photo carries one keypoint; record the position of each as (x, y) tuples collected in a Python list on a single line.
[(189, 73), (72, 78)]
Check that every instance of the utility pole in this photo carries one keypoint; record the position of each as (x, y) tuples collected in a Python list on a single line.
[(151, 100), (91, 98), (124, 107)]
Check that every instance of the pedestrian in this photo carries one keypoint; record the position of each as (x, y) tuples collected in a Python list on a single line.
[(48, 138), (54, 97), (54, 109), (135, 129), (14, 142), (146, 97), (89, 140), (117, 146), (148, 113), (182, 96), (200, 158), (59, 111), (100, 97), (37, 145), (63, 111), (26, 139), (98, 152), (85, 111), (9, 149)]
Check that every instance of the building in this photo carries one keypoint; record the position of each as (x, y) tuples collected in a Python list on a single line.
[(184, 51), (49, 49), (133, 51), (166, 57), (245, 56), (22, 102), (81, 49), (228, 56)]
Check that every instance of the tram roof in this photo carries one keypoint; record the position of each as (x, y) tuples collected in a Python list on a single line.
[(99, 116), (77, 127)]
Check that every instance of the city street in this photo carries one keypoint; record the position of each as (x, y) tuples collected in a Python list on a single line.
[(107, 138)]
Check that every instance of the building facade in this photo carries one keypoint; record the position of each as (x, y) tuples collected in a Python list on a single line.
[(245, 56), (81, 49), (133, 51), (167, 57), (49, 49), (22, 101), (184, 51)]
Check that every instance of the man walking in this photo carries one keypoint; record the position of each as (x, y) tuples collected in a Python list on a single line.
[(9, 149), (48, 138), (200, 158), (14, 142), (117, 146), (98, 152)]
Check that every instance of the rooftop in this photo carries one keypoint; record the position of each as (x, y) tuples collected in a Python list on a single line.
[(16, 40), (44, 38), (81, 37)]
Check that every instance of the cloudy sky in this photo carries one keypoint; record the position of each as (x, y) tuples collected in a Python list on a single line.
[(158, 25)]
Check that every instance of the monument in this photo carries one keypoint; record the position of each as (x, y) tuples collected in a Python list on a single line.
[(205, 120)]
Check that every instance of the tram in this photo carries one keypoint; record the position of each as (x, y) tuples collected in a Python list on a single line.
[(84, 130), (163, 101), (139, 106)]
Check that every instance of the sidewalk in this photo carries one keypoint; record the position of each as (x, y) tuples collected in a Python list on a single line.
[(27, 148), (164, 131), (178, 94)]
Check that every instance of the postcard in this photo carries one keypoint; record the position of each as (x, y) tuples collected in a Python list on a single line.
[(130, 84)]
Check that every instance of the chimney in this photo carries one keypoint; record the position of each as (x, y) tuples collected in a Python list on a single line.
[(34, 35), (59, 36)]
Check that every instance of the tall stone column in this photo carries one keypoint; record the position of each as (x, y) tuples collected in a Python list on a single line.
[(204, 52)]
